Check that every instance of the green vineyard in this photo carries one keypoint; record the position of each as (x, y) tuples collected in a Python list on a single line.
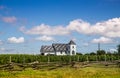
[(25, 58)]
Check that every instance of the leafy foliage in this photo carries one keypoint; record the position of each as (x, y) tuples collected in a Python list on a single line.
[(100, 52), (24, 58), (118, 49)]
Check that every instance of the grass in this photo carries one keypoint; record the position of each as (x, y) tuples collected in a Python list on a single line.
[(92, 71)]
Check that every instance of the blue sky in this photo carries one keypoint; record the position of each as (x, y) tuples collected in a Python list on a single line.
[(25, 25)]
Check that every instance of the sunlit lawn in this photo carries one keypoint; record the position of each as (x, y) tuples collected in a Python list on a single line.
[(65, 72)]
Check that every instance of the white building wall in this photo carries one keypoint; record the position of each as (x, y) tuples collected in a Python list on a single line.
[(47, 53), (71, 49), (59, 53)]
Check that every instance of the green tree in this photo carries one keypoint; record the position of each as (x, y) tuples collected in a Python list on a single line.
[(118, 49), (79, 53), (109, 53), (92, 53), (100, 52)]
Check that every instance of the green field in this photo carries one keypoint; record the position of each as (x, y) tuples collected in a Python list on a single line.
[(65, 71)]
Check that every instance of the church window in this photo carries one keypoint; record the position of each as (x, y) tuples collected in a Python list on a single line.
[(73, 52), (72, 46)]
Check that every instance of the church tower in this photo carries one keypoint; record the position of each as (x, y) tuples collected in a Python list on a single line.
[(72, 48)]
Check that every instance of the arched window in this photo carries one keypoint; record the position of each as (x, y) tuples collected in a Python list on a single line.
[(72, 46), (73, 52)]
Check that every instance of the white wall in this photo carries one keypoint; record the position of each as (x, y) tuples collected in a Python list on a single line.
[(47, 53), (59, 53), (72, 49)]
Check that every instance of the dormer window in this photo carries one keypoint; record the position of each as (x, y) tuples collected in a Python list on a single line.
[(72, 46)]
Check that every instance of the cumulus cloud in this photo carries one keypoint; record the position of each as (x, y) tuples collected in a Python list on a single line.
[(102, 40), (109, 28), (45, 38), (79, 26), (11, 19), (113, 50), (16, 40), (46, 30)]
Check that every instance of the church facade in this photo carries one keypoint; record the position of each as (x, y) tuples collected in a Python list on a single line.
[(59, 49)]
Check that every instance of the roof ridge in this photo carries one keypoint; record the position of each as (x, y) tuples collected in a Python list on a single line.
[(72, 42)]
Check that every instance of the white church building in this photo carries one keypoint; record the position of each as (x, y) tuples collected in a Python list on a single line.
[(59, 49)]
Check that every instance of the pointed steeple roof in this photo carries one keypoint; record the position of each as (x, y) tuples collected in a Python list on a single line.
[(71, 42)]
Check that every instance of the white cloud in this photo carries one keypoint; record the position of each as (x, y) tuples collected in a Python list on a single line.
[(16, 40), (102, 40), (11, 19), (46, 30), (109, 28), (45, 38), (79, 26), (113, 50)]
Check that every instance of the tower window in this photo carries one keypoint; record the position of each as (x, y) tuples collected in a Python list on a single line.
[(72, 46), (73, 52)]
